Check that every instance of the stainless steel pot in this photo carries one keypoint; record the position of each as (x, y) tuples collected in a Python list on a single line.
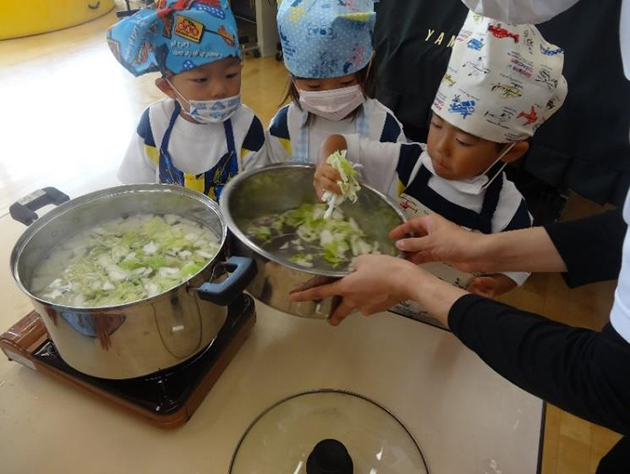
[(279, 188), (145, 336)]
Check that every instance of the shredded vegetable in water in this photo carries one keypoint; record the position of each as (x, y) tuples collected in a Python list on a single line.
[(125, 260), (348, 184), (337, 240)]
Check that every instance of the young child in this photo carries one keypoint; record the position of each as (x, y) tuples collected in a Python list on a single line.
[(502, 83), (327, 47), (201, 135)]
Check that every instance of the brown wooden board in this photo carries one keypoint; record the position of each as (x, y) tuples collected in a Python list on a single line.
[(22, 341)]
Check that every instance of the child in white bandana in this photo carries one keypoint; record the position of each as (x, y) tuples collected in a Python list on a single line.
[(502, 82)]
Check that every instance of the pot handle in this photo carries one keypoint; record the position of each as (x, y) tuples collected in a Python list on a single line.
[(24, 210), (242, 272)]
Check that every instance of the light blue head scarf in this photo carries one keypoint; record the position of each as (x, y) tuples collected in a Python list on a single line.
[(326, 38), (175, 36)]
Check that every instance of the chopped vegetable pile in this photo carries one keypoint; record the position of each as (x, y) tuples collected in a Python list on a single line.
[(125, 260), (307, 236), (348, 184)]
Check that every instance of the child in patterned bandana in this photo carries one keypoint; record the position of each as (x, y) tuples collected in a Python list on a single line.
[(502, 82), (327, 46), (201, 135)]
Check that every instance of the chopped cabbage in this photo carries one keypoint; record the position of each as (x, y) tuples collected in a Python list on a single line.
[(348, 184), (303, 259), (336, 240), (125, 260)]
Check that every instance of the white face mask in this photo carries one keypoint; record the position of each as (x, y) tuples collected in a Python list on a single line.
[(477, 183), (333, 105), (210, 111)]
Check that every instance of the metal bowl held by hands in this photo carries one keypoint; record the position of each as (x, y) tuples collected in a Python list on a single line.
[(280, 188), (140, 337)]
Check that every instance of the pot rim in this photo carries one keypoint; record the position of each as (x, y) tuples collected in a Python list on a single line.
[(227, 217), (72, 204)]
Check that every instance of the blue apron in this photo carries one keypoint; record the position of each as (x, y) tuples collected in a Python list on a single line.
[(482, 221), (214, 179)]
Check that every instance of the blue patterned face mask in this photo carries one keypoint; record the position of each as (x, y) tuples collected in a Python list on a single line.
[(214, 111), (209, 111)]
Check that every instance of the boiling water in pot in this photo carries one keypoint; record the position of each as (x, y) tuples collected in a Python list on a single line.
[(124, 260)]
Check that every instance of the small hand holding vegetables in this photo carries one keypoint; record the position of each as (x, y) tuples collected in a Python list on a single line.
[(348, 183)]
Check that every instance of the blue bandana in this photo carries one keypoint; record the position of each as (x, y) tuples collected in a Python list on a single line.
[(326, 38), (175, 36)]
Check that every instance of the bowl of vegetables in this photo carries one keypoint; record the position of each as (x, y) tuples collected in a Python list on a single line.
[(128, 280), (298, 242)]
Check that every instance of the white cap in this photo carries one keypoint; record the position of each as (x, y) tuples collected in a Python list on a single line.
[(502, 82)]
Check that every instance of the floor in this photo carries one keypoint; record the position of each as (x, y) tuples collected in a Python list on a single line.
[(69, 110)]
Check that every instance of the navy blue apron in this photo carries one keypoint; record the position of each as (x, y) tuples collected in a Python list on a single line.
[(481, 221), (215, 178)]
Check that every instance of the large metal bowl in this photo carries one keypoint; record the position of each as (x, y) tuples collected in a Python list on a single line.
[(279, 188)]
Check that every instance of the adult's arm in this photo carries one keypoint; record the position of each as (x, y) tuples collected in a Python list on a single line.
[(436, 239), (590, 247), (581, 371)]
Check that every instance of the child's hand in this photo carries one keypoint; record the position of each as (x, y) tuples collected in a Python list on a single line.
[(326, 178), (491, 286)]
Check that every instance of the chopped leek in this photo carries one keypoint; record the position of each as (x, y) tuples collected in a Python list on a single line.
[(348, 183), (125, 260), (336, 240)]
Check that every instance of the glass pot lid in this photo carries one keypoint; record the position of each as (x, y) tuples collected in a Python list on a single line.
[(327, 432)]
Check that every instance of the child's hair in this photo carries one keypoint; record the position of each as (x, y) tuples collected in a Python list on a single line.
[(363, 77)]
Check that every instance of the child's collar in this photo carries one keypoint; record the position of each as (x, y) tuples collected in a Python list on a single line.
[(471, 186)]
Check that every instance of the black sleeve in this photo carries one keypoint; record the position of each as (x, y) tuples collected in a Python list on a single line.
[(590, 247), (581, 371)]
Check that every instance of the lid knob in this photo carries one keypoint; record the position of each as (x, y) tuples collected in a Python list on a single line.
[(329, 457)]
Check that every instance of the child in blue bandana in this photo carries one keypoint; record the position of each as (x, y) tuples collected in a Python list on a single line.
[(327, 46), (201, 135)]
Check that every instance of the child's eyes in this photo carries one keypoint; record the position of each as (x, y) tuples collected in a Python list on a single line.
[(232, 75), (436, 125), (200, 80), (462, 143), (346, 84)]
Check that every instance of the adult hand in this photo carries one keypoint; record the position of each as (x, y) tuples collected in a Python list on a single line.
[(491, 286), (378, 283), (435, 239)]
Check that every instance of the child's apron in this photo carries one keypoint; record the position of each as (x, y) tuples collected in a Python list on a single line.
[(211, 182)]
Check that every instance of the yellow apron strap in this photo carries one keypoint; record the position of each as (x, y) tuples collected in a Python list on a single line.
[(195, 182)]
